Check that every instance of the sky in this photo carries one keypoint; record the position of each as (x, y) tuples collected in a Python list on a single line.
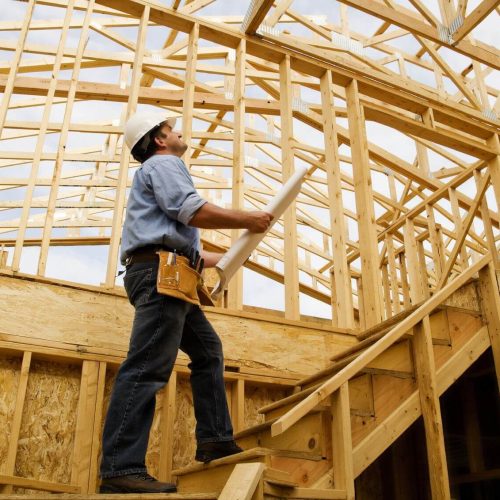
[(87, 265)]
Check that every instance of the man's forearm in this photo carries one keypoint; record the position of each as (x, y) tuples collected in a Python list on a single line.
[(213, 217)]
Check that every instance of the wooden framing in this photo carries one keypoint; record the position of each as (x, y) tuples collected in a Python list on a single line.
[(398, 210)]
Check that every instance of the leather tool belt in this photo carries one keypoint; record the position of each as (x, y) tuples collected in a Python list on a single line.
[(177, 278)]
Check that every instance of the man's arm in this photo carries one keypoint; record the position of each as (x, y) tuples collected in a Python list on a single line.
[(213, 217), (211, 258)]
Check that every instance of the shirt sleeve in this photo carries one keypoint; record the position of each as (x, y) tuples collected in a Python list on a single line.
[(174, 190)]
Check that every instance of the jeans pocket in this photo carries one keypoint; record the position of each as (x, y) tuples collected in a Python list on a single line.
[(139, 286)]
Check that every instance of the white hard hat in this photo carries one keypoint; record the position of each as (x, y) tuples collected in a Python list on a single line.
[(141, 123)]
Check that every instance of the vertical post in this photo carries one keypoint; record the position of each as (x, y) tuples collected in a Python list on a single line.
[(238, 405), (341, 271), (393, 276), (96, 433), (343, 472), (10, 462), (490, 304), (82, 448), (431, 412), (414, 278), (368, 243), (494, 166), (235, 289), (488, 228), (190, 82), (387, 291), (423, 269), (437, 256), (452, 194), (404, 280), (292, 310), (167, 418), (125, 154)]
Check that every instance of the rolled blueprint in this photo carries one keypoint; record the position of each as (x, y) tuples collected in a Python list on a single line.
[(237, 255)]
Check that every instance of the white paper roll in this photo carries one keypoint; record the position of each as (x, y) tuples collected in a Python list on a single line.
[(237, 255)]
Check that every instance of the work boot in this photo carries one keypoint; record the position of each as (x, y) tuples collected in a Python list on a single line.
[(211, 451), (135, 483)]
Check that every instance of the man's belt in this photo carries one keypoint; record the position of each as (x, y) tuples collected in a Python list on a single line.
[(147, 253)]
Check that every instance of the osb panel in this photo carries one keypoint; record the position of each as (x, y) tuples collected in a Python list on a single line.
[(184, 425), (255, 398), (48, 424), (259, 342), (465, 297), (153, 454), (9, 382)]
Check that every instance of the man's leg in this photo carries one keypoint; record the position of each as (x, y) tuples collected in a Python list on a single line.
[(154, 342), (214, 431)]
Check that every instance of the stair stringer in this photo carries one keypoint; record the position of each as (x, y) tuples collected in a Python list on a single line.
[(393, 426)]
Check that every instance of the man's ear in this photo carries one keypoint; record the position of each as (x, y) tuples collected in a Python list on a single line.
[(160, 141)]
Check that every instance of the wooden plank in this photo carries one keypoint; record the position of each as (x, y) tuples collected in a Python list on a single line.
[(490, 304), (238, 405), (189, 87), (292, 309), (82, 448), (243, 481), (474, 18), (331, 385), (61, 148), (133, 94), (258, 10), (364, 206), (431, 412), (34, 484), (10, 461), (96, 431), (167, 419), (343, 289), (235, 289), (415, 281), (343, 477)]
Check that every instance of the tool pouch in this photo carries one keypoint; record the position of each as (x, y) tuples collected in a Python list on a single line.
[(178, 279)]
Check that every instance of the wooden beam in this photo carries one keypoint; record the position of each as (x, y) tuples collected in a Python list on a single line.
[(133, 92), (364, 206), (292, 309), (342, 274), (343, 474), (405, 19), (480, 13), (257, 11), (242, 482), (431, 412)]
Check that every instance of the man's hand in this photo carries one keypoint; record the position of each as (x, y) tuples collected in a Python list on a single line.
[(211, 216), (258, 222)]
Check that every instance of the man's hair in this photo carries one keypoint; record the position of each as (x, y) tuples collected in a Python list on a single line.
[(146, 147)]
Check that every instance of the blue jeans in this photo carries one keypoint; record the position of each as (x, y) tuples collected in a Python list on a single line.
[(161, 326)]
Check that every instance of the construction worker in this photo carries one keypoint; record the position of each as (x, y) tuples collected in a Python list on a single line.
[(164, 211)]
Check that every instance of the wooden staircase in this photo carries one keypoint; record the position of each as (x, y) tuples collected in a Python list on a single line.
[(377, 390), (314, 443)]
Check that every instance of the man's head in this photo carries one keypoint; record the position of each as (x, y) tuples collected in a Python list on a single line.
[(147, 134)]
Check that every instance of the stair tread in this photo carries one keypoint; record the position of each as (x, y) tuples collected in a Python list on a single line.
[(244, 456)]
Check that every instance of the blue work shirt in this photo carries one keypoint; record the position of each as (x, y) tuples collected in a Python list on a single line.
[(161, 203)]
